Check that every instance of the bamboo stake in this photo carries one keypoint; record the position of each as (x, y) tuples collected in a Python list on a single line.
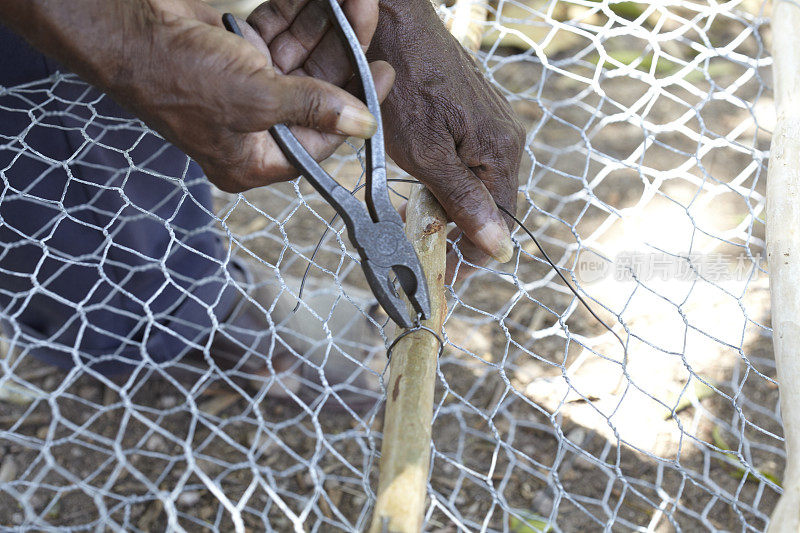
[(405, 453), (783, 250)]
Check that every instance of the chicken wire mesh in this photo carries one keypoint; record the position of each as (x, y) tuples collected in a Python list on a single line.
[(643, 177)]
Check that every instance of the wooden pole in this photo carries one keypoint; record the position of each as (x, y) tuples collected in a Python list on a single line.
[(783, 249), (405, 452), (466, 24)]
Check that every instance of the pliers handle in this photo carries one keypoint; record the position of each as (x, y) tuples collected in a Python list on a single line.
[(377, 230)]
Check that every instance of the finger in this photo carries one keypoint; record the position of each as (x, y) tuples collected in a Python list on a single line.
[(466, 200), (463, 257), (383, 75), (329, 61), (502, 185), (312, 43), (363, 18), (273, 17), (277, 16), (264, 99), (291, 48), (322, 145), (319, 145), (251, 36), (496, 163)]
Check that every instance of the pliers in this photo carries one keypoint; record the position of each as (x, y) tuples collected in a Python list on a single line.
[(377, 230)]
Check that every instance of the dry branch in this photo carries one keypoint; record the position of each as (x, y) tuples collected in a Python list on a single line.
[(783, 249)]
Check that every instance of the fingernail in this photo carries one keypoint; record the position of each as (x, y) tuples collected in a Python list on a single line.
[(356, 122), (496, 238)]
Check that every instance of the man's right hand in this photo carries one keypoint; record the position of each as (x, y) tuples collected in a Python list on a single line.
[(207, 91)]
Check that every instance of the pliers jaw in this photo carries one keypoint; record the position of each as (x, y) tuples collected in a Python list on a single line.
[(385, 253)]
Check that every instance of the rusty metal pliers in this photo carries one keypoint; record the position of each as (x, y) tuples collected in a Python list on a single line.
[(377, 230)]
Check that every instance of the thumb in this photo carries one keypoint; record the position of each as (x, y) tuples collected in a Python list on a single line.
[(316, 104), (469, 204)]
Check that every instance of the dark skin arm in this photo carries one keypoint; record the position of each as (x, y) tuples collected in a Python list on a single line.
[(209, 92), (172, 63)]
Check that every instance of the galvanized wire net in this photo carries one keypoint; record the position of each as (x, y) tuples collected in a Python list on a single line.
[(644, 177)]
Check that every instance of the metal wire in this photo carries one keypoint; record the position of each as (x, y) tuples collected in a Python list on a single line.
[(648, 126)]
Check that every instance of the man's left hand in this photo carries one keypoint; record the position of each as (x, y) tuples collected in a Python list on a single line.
[(447, 126)]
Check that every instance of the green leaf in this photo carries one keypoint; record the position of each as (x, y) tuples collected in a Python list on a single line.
[(637, 59), (737, 471), (529, 523), (699, 391), (627, 10), (714, 71), (770, 476)]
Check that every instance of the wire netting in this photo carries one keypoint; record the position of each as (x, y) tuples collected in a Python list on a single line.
[(643, 177)]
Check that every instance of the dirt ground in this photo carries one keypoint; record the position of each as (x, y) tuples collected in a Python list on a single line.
[(541, 419)]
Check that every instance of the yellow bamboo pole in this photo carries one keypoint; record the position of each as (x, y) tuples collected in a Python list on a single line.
[(405, 452)]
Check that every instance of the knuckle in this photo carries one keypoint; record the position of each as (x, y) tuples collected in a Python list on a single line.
[(503, 152), (263, 12), (312, 107), (509, 136)]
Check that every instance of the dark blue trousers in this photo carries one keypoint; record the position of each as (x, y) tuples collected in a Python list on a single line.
[(109, 251)]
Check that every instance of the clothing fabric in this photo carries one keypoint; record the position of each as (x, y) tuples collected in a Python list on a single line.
[(109, 251)]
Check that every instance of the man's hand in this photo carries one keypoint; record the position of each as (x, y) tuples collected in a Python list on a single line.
[(209, 92), (449, 127)]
